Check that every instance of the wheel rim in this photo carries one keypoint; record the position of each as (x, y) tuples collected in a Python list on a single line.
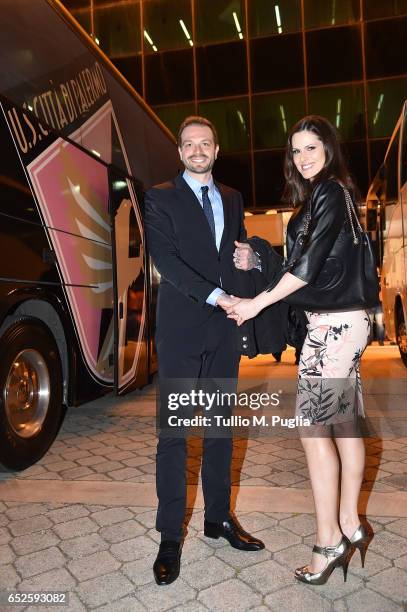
[(27, 392), (402, 337)]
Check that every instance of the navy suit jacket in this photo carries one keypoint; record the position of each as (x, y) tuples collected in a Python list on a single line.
[(184, 252)]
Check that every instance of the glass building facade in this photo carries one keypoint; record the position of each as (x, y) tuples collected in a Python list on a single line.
[(255, 67)]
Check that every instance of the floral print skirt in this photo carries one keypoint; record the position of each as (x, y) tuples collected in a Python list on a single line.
[(329, 389)]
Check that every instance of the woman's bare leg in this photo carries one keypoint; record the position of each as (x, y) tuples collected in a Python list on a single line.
[(352, 453), (323, 466)]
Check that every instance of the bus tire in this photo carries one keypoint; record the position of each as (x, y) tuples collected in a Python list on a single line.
[(401, 332), (31, 408)]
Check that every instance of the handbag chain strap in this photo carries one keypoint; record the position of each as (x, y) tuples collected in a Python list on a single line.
[(352, 216), (307, 221)]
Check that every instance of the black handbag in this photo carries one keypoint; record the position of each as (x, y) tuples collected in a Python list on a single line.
[(348, 279)]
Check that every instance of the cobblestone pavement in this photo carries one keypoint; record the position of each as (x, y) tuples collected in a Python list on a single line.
[(121, 447), (102, 554)]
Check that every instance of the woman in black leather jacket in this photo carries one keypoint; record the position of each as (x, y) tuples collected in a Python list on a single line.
[(329, 389)]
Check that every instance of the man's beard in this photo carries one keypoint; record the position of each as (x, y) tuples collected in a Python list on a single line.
[(201, 169)]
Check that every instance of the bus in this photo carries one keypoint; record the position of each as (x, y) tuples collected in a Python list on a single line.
[(386, 214), (77, 289)]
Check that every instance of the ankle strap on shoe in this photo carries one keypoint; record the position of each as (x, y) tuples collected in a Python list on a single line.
[(327, 551)]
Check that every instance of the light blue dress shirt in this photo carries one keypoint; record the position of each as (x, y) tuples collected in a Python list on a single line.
[(217, 208)]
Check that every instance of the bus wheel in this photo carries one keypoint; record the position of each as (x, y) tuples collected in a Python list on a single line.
[(402, 334), (31, 409)]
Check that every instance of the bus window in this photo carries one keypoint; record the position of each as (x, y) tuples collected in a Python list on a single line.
[(390, 186), (403, 156), (391, 169)]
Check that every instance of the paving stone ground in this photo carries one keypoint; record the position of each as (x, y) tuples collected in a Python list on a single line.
[(103, 555), (121, 447), (103, 558)]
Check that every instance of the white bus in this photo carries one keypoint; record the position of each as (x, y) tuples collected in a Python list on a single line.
[(386, 206)]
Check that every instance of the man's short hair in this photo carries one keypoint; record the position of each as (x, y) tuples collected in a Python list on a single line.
[(196, 120)]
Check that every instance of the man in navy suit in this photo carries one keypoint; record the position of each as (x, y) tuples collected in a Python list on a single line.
[(192, 223)]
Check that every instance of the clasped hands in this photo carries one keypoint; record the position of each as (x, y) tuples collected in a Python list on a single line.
[(239, 309)]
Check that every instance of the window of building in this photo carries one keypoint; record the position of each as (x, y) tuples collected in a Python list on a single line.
[(269, 178), (385, 101), (167, 25), (277, 62), (378, 150), (118, 28), (267, 17), (320, 13), (169, 77), (172, 116), (273, 117), (231, 119), (374, 9), (83, 18), (334, 55), (386, 49), (343, 106), (235, 170), (74, 4), (222, 70), (356, 156), (130, 67), (219, 21)]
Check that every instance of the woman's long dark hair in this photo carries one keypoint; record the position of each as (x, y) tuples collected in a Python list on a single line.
[(297, 189)]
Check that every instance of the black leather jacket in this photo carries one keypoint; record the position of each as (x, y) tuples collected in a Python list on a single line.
[(328, 214)]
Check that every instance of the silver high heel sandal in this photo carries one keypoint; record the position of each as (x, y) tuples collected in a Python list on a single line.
[(361, 540), (336, 556)]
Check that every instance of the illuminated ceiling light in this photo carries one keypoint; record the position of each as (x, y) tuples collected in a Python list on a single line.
[(150, 40), (237, 24), (97, 40), (241, 118), (379, 106), (278, 19), (333, 12), (248, 214), (338, 112), (96, 152), (271, 212), (283, 119), (185, 30)]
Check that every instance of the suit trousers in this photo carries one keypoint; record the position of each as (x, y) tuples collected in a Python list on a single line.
[(210, 353)]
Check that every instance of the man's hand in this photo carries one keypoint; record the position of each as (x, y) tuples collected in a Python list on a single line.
[(225, 301), (243, 310), (244, 257)]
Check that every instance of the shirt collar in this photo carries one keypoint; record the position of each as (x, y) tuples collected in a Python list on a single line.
[(196, 185)]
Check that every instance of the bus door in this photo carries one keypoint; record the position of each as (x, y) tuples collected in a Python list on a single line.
[(129, 285)]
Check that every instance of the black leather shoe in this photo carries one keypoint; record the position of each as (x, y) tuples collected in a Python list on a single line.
[(167, 565), (233, 533)]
